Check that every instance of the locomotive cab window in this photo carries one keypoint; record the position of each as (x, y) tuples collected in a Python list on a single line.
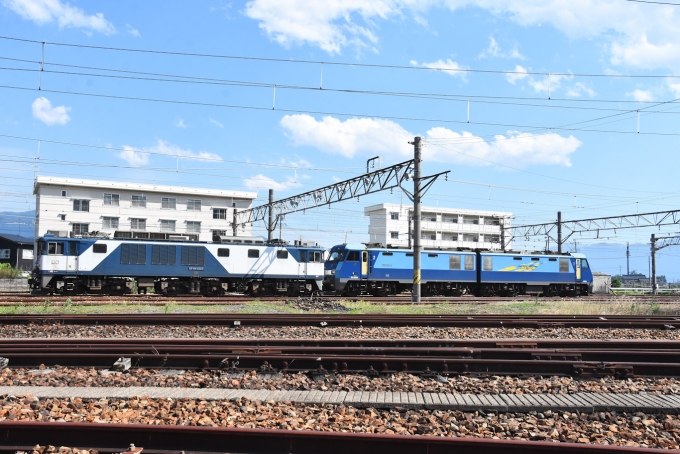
[(99, 248), (315, 256), (584, 263), (253, 253), (488, 263), (454, 262), (469, 262), (564, 265), (55, 248), (281, 254), (223, 252), (353, 256)]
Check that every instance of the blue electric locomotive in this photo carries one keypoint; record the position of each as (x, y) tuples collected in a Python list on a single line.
[(352, 269)]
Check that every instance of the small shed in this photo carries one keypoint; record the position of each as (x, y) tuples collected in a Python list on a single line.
[(602, 282), (17, 251)]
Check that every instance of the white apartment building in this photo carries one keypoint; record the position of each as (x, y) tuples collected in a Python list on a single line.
[(73, 206), (440, 227)]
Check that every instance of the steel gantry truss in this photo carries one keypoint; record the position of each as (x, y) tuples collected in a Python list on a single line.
[(657, 244), (379, 180), (554, 230)]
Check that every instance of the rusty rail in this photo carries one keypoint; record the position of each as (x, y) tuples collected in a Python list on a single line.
[(110, 438)]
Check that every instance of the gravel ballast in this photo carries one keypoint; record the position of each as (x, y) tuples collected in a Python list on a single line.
[(90, 377), (327, 332), (639, 429)]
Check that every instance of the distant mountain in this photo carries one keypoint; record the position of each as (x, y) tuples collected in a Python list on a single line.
[(17, 222), (610, 258)]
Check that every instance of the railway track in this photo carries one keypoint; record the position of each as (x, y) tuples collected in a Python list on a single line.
[(114, 438), (349, 320), (10, 299), (582, 358)]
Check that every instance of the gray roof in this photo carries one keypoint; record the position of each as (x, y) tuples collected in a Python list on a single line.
[(16, 238)]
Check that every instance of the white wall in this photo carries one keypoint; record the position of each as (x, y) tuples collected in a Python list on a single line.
[(50, 204)]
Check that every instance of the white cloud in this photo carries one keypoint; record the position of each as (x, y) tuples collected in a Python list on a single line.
[(216, 123), (636, 35), (641, 95), (349, 137), (263, 182), (67, 16), (174, 150), (579, 89), (329, 25), (494, 50), (371, 136), (137, 157), (515, 148), (180, 123), (132, 30), (447, 66), (43, 111), (545, 84), (519, 73), (675, 88), (134, 157)]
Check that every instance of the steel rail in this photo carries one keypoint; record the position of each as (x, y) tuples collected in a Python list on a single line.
[(348, 320), (110, 438)]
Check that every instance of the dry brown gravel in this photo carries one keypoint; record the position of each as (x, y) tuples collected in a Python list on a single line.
[(86, 377), (657, 431), (318, 332)]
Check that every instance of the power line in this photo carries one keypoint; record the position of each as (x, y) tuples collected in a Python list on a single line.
[(479, 99), (653, 2), (344, 114), (330, 63)]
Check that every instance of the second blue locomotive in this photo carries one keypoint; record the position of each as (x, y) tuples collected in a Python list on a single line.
[(352, 269)]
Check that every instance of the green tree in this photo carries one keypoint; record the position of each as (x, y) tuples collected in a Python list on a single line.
[(616, 283)]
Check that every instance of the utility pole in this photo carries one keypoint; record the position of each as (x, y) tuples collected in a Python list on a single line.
[(559, 232), (653, 276), (417, 148), (270, 225), (234, 225), (627, 258)]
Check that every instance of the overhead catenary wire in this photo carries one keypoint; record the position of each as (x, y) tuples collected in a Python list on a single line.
[(335, 63)]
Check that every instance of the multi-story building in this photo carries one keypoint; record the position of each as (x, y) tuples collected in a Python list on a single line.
[(71, 206), (392, 224)]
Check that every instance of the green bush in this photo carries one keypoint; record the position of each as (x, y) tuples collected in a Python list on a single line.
[(616, 283), (7, 271)]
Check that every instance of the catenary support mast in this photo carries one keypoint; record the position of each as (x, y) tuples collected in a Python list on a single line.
[(417, 146)]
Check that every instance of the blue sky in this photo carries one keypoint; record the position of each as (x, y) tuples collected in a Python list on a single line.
[(537, 76)]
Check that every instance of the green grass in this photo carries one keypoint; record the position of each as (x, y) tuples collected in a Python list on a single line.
[(528, 307)]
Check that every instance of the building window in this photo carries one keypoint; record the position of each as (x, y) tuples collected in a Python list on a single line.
[(394, 215), (219, 213), (110, 223), (63, 193), (62, 217), (112, 199), (193, 205), (4, 253), (137, 224), (167, 225), (79, 229), (394, 235), (139, 201), (81, 205), (27, 254), (193, 227), (168, 203), (219, 232)]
